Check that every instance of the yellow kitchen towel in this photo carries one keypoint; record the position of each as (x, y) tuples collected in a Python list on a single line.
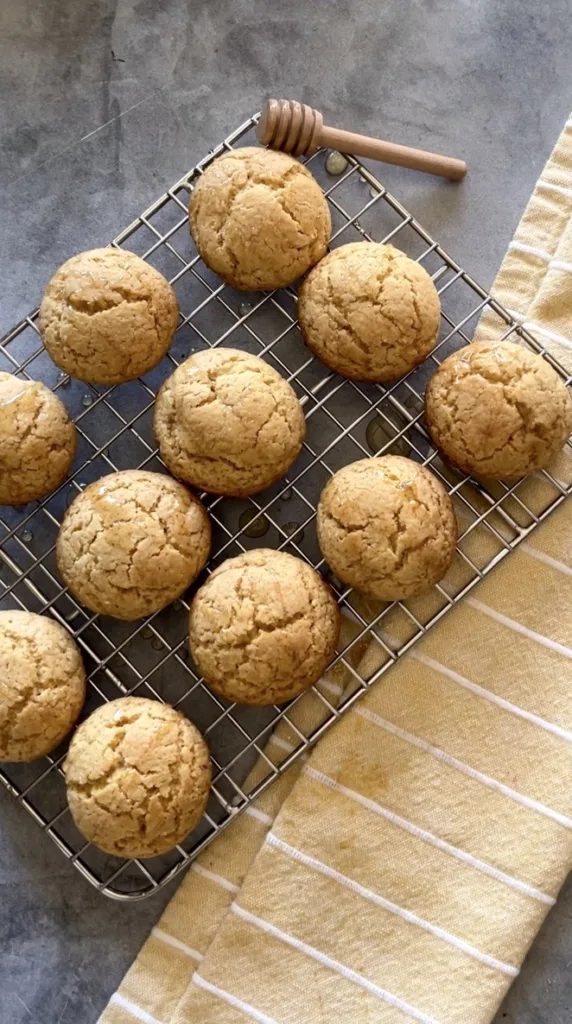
[(402, 871)]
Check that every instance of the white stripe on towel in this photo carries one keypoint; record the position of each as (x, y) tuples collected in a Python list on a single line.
[(519, 628), (429, 837), (331, 687), (542, 183), (393, 908), (283, 744), (553, 562), (133, 1009), (466, 769), (213, 877), (566, 268), (532, 250), (170, 940), (333, 965), (542, 254), (551, 335), (514, 709), (534, 328), (255, 812), (234, 1001)]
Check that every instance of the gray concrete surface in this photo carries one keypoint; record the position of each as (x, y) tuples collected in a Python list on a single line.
[(106, 102)]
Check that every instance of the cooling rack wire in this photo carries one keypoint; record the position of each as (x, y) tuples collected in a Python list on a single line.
[(345, 420)]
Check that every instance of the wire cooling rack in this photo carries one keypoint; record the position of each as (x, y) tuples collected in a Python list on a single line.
[(346, 421)]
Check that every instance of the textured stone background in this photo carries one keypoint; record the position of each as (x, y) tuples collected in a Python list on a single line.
[(107, 102)]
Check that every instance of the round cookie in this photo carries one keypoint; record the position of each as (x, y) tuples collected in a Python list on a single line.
[(107, 316), (259, 219), (37, 440), (387, 527), (263, 628), (496, 409), (42, 685), (228, 423), (131, 543), (369, 312), (138, 775)]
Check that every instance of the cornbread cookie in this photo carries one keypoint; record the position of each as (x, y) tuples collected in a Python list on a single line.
[(131, 543), (42, 685), (107, 316), (227, 422), (259, 219), (137, 776), (37, 440), (263, 627), (496, 409), (386, 526), (369, 312)]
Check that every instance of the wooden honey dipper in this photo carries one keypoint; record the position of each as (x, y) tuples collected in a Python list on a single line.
[(298, 129)]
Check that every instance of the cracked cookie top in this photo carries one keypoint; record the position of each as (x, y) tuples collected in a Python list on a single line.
[(37, 440), (496, 409), (369, 312), (259, 219), (132, 542), (228, 423), (107, 316), (137, 775), (387, 527), (42, 685), (263, 628)]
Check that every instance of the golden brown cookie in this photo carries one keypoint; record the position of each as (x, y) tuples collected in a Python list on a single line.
[(496, 409), (138, 776), (107, 316), (37, 440), (228, 423), (259, 219), (42, 685), (132, 542), (263, 628), (387, 527), (369, 312)]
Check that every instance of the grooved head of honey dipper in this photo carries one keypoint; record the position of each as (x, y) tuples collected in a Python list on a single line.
[(290, 126)]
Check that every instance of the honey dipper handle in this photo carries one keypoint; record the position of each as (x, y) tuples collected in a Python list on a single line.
[(392, 153)]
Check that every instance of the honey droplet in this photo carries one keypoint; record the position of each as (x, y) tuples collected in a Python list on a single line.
[(380, 433), (294, 531), (252, 523), (336, 163)]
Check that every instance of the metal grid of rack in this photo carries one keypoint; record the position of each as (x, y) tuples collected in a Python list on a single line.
[(346, 421)]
